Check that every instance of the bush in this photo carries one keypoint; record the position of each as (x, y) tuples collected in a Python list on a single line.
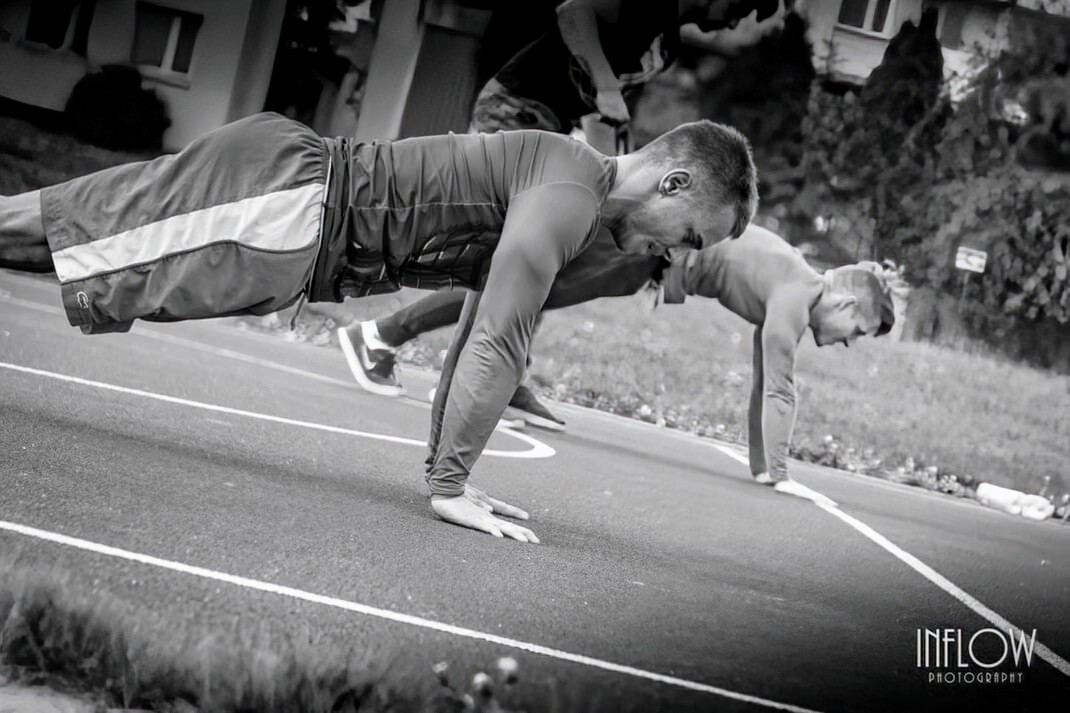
[(111, 110), (914, 181)]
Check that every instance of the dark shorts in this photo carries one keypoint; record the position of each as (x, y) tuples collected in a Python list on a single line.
[(229, 225)]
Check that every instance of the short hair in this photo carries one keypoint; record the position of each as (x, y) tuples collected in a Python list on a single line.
[(722, 158), (866, 281)]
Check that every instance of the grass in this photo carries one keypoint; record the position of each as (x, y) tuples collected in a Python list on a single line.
[(76, 637), (55, 630)]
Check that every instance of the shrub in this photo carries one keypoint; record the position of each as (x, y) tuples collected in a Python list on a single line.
[(913, 181), (111, 110)]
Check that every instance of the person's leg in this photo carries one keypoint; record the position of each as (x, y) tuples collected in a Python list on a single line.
[(23, 245), (370, 347), (439, 309), (602, 271)]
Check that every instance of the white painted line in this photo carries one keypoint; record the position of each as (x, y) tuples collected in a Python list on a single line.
[(538, 448), (140, 331), (393, 616), (789, 487), (239, 356), (738, 457), (945, 584), (928, 572)]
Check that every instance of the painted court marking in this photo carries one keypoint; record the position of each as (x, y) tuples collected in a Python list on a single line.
[(538, 448), (1060, 664), (505, 425), (393, 616)]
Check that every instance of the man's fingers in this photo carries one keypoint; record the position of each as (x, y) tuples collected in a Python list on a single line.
[(506, 509), (476, 514), (519, 533)]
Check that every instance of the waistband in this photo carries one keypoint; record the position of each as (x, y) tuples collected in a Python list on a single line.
[(331, 259)]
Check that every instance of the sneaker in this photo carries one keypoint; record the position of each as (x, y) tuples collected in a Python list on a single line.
[(525, 406), (372, 368)]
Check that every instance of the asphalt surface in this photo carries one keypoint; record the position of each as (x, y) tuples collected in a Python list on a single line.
[(666, 580)]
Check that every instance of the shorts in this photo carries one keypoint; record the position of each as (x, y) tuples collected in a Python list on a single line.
[(229, 225)]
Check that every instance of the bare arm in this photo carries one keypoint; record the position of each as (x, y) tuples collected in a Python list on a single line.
[(577, 21), (773, 405), (755, 437)]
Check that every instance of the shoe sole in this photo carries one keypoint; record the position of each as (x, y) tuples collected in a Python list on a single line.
[(353, 362), (513, 413)]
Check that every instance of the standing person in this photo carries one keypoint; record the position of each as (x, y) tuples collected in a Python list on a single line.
[(253, 216), (579, 69)]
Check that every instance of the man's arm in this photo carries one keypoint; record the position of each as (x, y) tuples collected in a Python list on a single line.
[(545, 227), (578, 22), (755, 439), (771, 417)]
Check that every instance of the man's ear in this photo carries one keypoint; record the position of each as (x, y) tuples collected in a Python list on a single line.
[(674, 181), (839, 301)]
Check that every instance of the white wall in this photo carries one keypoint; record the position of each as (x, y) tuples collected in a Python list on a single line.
[(848, 55), (37, 76), (844, 53), (257, 58), (213, 73), (393, 64)]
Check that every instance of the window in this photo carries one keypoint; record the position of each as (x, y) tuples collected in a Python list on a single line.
[(867, 15), (164, 39), (50, 22)]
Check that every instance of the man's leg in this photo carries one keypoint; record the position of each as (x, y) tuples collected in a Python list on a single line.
[(22, 233), (439, 309), (370, 347)]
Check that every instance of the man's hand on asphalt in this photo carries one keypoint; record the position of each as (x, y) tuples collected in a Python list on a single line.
[(610, 104), (475, 509)]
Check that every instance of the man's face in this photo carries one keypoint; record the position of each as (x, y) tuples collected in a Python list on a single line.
[(669, 222), (843, 325)]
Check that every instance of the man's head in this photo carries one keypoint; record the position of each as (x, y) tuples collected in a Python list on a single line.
[(856, 302), (689, 188)]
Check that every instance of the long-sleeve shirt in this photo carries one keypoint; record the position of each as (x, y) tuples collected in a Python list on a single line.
[(497, 213), (767, 282)]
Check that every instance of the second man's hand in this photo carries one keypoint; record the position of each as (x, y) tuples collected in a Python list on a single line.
[(476, 509), (610, 104)]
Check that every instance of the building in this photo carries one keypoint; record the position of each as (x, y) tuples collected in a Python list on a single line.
[(849, 36), (212, 61), (209, 61)]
